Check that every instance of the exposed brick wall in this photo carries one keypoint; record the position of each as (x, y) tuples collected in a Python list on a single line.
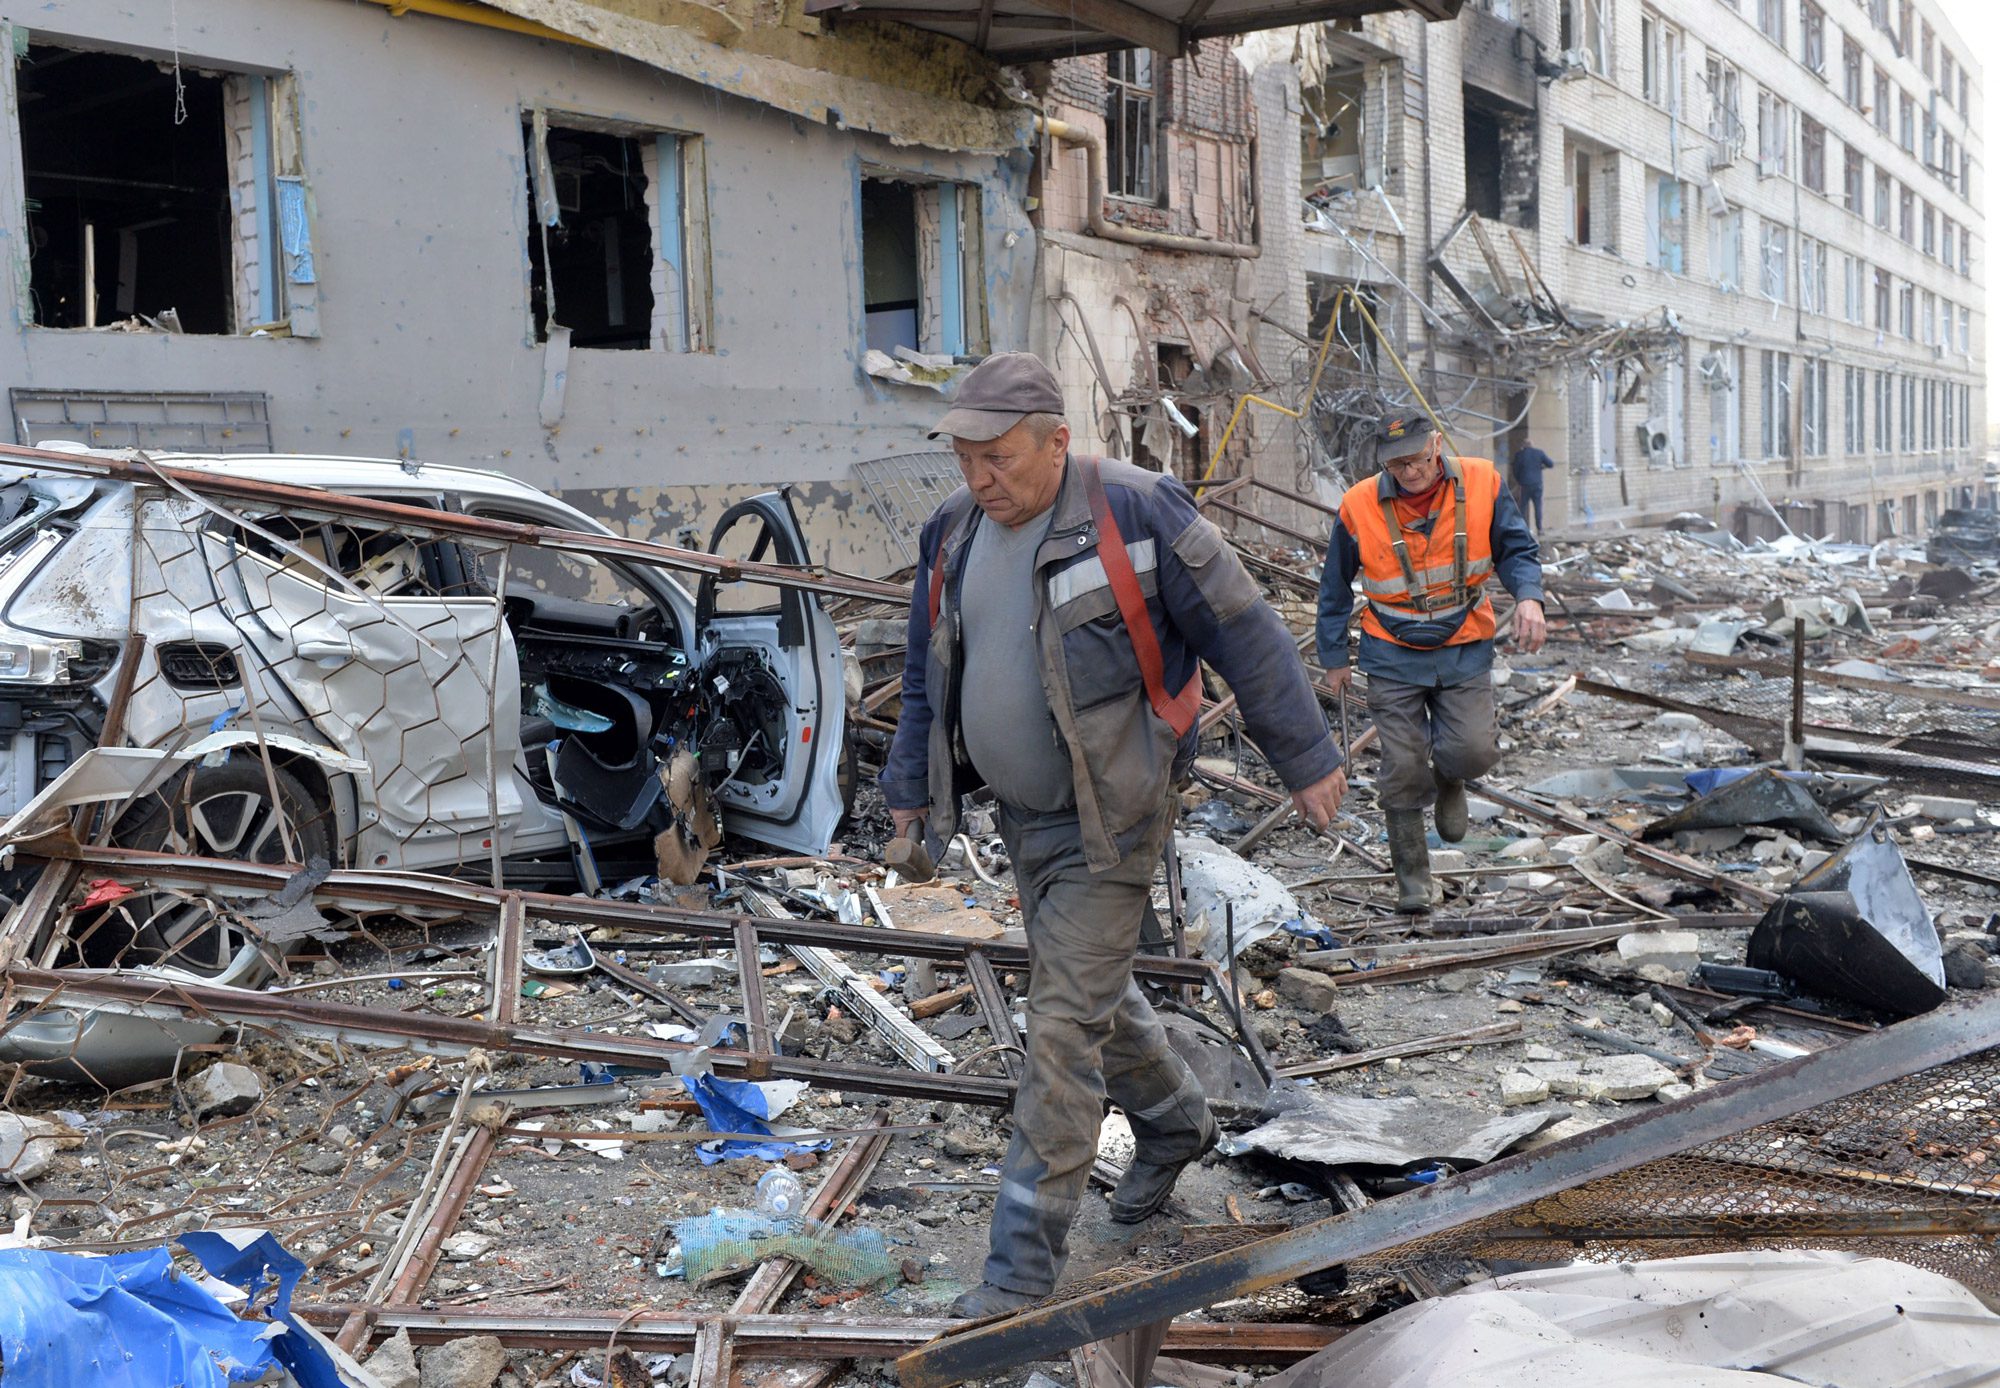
[(1207, 120)]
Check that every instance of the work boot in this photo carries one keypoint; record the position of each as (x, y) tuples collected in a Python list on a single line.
[(986, 1301), (1411, 858), (1145, 1186), (1450, 811)]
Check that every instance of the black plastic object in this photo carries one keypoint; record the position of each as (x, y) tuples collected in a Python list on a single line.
[(1740, 981), (1856, 928), (1766, 796)]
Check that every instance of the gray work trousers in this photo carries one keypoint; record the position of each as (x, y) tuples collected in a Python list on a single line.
[(1091, 1033), (1424, 728)]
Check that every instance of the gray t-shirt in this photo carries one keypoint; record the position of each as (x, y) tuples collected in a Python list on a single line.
[(1004, 711)]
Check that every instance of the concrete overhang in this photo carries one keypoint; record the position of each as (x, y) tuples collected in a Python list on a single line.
[(1021, 31)]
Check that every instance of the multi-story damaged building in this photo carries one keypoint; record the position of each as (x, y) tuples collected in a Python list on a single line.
[(1723, 256), (650, 256)]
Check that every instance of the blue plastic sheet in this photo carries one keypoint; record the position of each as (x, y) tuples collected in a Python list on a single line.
[(254, 1260), (127, 1321), (1708, 779), (738, 1106)]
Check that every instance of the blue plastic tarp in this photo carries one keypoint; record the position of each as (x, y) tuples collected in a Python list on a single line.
[(738, 1106), (1710, 779), (254, 1260), (126, 1321)]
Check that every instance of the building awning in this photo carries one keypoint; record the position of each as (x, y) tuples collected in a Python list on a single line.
[(1021, 31)]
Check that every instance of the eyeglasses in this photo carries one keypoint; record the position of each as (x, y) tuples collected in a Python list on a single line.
[(1409, 464)]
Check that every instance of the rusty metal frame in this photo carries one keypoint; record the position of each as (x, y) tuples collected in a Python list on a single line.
[(1779, 1092)]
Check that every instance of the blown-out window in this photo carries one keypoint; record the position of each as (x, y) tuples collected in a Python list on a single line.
[(162, 198), (618, 235)]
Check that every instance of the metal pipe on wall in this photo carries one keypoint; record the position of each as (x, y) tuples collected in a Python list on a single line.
[(1093, 145)]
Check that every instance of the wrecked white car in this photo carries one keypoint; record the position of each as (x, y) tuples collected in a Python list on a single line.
[(308, 687)]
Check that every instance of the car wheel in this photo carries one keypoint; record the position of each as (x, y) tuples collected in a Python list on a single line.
[(224, 811)]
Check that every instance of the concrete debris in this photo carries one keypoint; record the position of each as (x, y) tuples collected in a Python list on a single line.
[(1617, 1078), (29, 1145), (472, 1361), (394, 1363), (224, 1090), (1676, 950)]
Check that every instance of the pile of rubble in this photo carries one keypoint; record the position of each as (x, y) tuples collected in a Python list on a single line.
[(1719, 949)]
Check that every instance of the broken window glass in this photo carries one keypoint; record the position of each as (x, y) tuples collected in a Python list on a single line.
[(1131, 129), (153, 195), (921, 287), (618, 240)]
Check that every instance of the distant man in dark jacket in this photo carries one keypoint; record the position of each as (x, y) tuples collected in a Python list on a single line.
[(1061, 609), (1527, 467)]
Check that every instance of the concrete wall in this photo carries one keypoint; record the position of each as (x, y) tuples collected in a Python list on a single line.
[(413, 152)]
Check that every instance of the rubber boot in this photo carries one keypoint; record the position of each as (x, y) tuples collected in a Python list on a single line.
[(1411, 858), (986, 1301), (1450, 811), (1143, 1190)]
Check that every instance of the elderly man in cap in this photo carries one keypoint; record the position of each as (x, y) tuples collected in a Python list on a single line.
[(1426, 536), (1061, 608)]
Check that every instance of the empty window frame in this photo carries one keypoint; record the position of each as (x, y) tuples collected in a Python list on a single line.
[(1947, 241), (1722, 370), (1947, 164), (1812, 275), (1853, 180), (1906, 215), (1880, 106), (1812, 154), (1776, 399), (1885, 412), (1774, 248), (1851, 74), (1965, 328), (1774, 135), (1665, 425), (177, 199), (1930, 415), (1928, 220), (1812, 37), (1725, 102), (1131, 124), (1906, 311), (1885, 197), (1338, 151), (1854, 410), (1965, 250), (920, 259), (1948, 404), (1906, 121), (1725, 249), (1584, 29), (1660, 48), (1771, 20), (1812, 407), (1906, 433), (618, 247), (1854, 298), (1882, 296), (1579, 172), (1929, 319)]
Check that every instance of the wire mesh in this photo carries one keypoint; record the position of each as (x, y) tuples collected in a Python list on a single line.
[(1904, 1170)]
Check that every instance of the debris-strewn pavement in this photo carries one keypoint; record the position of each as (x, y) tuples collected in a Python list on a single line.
[(488, 1143)]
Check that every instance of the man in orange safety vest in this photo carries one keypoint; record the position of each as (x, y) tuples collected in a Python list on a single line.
[(1426, 536)]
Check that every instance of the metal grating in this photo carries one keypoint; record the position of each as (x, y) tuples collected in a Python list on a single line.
[(1908, 1170), (195, 421), (906, 489)]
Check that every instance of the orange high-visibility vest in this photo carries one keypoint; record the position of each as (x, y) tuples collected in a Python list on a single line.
[(1408, 578)]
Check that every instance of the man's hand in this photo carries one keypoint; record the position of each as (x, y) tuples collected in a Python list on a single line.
[(903, 819), (1338, 678), (1318, 801), (1531, 627)]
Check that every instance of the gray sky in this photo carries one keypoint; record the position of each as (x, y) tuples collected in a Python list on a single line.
[(1978, 25)]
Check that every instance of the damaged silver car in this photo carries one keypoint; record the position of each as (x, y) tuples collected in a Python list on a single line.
[(293, 686)]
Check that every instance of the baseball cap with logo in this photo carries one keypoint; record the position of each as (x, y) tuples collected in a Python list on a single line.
[(999, 393), (1398, 436)]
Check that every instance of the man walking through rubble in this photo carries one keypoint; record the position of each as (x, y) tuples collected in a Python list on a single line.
[(1425, 536), (1527, 467), (1061, 608)]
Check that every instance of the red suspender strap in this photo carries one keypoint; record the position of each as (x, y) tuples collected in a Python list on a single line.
[(937, 583), (1178, 712)]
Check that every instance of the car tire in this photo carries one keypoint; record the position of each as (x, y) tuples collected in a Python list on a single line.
[(223, 811)]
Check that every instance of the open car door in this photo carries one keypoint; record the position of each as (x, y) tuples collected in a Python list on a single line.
[(773, 668)]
